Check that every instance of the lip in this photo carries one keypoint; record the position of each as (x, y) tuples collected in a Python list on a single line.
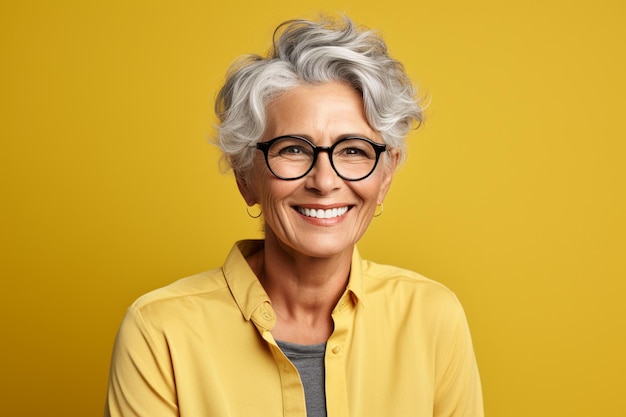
[(323, 212)]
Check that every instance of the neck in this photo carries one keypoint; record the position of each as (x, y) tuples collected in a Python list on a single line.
[(303, 289)]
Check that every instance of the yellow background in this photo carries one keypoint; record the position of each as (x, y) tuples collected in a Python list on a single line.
[(513, 193)]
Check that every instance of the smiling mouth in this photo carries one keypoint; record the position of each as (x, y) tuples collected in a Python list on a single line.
[(323, 214)]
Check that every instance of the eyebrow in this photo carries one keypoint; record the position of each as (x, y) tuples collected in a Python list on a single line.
[(336, 139)]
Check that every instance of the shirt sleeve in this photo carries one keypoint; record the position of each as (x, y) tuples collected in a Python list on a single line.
[(458, 392), (141, 381)]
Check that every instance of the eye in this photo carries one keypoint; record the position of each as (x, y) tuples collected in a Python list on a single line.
[(354, 151), (291, 150)]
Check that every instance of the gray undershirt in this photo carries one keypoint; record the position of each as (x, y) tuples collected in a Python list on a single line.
[(309, 361)]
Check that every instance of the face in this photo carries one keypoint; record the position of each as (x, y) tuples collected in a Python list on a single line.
[(323, 114)]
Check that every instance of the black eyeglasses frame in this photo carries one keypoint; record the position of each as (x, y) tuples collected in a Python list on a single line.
[(379, 148)]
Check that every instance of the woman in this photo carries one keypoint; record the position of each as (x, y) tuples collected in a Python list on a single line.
[(298, 324)]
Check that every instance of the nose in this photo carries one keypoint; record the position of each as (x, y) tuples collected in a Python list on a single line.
[(322, 176)]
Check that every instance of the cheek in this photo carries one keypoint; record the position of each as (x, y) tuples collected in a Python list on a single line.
[(369, 191), (272, 191)]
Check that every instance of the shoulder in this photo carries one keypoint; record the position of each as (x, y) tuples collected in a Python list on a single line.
[(382, 274), (407, 287), (187, 290), (178, 308)]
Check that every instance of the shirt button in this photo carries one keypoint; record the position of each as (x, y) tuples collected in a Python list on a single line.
[(266, 312), (336, 349)]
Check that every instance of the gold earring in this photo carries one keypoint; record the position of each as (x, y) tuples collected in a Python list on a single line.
[(254, 216), (378, 213)]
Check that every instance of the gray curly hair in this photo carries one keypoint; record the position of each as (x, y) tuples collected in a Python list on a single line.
[(310, 52)]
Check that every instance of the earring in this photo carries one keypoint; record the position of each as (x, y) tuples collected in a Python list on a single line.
[(378, 213), (254, 216)]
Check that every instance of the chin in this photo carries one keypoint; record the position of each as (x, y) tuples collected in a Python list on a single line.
[(323, 247)]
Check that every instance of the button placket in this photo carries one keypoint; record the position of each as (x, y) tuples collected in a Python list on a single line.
[(336, 386)]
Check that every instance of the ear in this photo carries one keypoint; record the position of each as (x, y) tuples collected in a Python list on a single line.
[(247, 192), (389, 166)]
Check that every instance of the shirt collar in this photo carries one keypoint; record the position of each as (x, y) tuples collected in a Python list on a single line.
[(250, 295), (243, 284), (355, 282)]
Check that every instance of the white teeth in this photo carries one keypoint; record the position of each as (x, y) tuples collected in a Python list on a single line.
[(323, 214)]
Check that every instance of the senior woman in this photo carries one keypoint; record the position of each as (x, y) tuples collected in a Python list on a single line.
[(298, 324)]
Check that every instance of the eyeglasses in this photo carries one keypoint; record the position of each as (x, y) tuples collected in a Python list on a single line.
[(292, 157)]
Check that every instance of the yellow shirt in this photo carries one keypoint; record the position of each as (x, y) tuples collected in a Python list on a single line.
[(202, 347)]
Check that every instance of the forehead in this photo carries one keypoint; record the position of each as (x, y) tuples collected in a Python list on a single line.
[(318, 111)]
